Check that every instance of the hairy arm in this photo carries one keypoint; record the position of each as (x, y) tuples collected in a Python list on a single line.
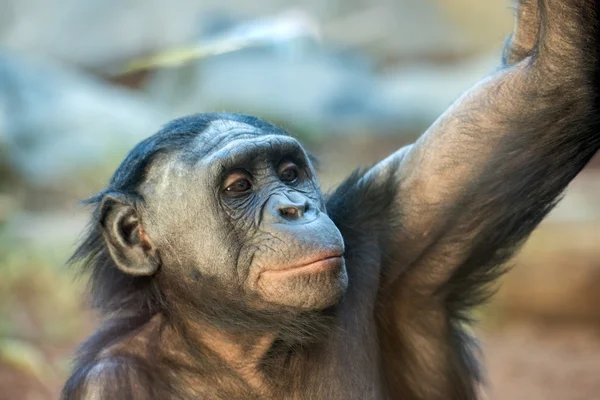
[(451, 208), (493, 165)]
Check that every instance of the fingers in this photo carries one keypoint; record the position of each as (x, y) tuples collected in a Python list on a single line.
[(523, 40)]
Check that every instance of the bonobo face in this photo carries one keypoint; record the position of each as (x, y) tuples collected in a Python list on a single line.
[(241, 210)]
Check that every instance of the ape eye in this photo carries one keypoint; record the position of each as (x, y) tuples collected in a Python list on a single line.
[(237, 183), (241, 185), (289, 173)]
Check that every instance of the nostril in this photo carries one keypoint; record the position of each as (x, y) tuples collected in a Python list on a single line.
[(290, 212)]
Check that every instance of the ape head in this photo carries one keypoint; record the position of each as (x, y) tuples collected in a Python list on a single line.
[(219, 214)]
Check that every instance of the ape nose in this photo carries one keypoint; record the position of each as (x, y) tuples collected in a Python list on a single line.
[(292, 212), (289, 207), (292, 206)]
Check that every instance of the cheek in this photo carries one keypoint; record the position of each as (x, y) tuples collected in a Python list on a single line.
[(194, 246), (251, 259), (242, 209)]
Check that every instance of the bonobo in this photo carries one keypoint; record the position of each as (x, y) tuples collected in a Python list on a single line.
[(225, 273)]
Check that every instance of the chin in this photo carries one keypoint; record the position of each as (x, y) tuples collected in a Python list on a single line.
[(305, 290)]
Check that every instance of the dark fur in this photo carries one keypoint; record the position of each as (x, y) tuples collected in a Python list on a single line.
[(552, 130), (131, 302)]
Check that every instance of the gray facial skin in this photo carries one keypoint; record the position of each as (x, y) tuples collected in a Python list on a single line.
[(271, 244)]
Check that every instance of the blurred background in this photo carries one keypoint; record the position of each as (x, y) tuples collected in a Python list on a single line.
[(82, 81)]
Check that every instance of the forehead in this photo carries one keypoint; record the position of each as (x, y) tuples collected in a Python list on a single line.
[(219, 132), (227, 142), (222, 145)]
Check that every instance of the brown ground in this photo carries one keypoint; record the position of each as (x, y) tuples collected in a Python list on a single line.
[(528, 361)]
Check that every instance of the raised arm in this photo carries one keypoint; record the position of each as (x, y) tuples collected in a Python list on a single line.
[(492, 166), (447, 211)]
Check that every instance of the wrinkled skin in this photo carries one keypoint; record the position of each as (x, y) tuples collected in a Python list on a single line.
[(248, 240), (225, 273)]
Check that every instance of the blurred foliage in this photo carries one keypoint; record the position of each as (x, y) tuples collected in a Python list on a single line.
[(6, 175), (41, 309), (35, 292), (24, 357)]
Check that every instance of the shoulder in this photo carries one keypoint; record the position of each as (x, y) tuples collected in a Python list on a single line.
[(370, 194), (111, 377), (365, 203)]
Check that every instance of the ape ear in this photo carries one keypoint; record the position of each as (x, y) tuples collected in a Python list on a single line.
[(127, 242)]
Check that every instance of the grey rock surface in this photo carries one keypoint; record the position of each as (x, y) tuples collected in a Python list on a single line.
[(55, 121)]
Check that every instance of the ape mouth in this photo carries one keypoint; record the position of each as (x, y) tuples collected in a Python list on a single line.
[(322, 263)]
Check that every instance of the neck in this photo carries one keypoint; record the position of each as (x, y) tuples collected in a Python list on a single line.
[(261, 361), (254, 351), (242, 357), (244, 353)]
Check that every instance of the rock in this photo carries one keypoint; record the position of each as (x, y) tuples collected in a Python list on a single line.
[(58, 124), (101, 33)]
